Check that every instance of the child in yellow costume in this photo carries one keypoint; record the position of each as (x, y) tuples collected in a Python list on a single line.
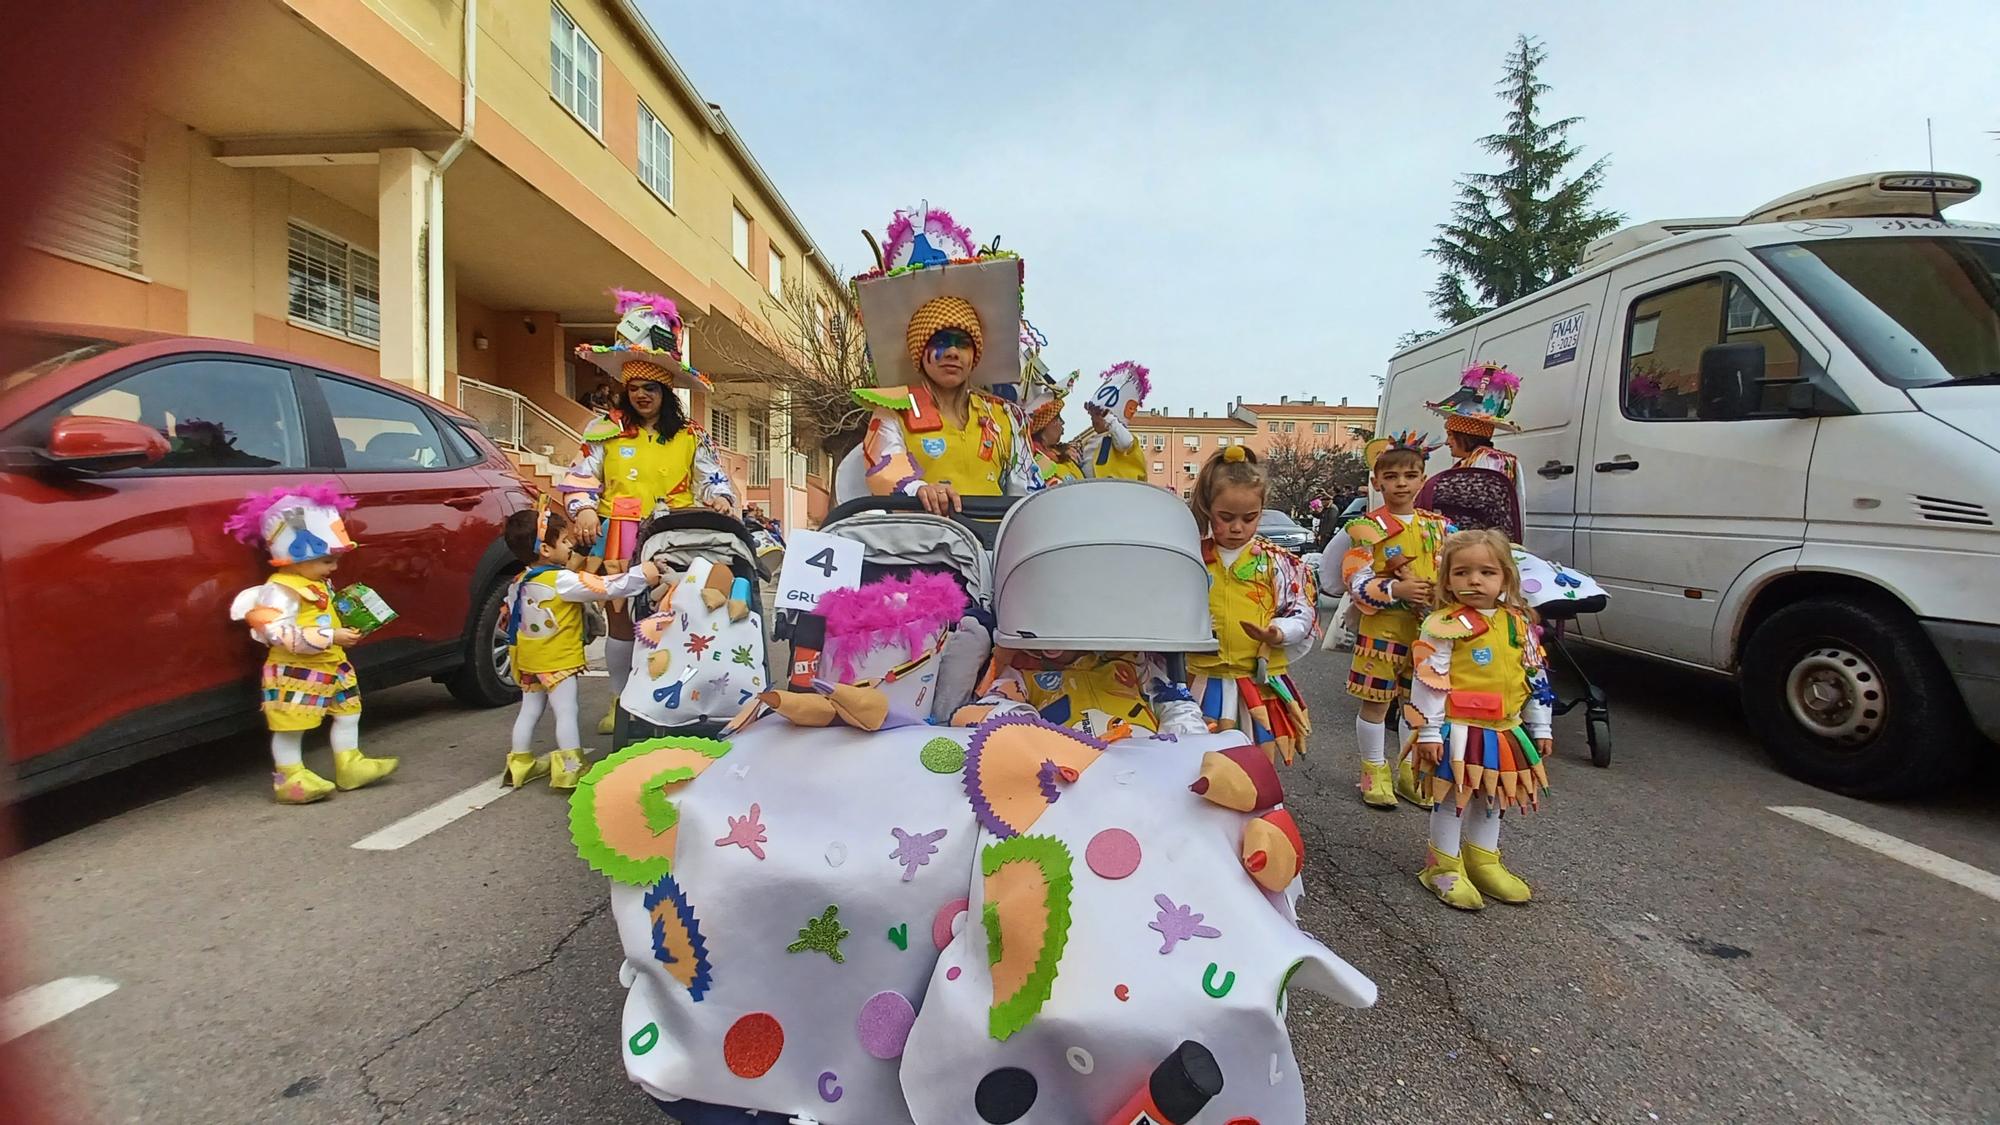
[(307, 676), (1042, 400), (1111, 450), (545, 634), (1391, 573), (1263, 606), (1482, 690)]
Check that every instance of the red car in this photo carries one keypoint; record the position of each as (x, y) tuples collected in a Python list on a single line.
[(118, 465)]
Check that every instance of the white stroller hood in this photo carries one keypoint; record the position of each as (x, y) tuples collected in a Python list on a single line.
[(1103, 566)]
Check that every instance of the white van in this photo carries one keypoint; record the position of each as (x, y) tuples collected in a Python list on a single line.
[(1776, 442)]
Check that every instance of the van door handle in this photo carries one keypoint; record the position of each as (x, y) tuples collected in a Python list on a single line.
[(1555, 470), (1624, 466)]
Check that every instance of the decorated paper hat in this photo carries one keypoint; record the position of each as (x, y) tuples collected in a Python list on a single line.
[(295, 523), (649, 344), (1042, 397), (1123, 389), (1417, 443), (932, 276), (1484, 398)]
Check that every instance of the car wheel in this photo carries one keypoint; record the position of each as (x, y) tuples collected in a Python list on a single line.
[(1850, 696), (486, 678)]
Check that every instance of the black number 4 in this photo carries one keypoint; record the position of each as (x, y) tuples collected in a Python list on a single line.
[(824, 561)]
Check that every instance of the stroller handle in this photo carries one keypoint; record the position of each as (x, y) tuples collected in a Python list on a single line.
[(980, 515), (692, 519)]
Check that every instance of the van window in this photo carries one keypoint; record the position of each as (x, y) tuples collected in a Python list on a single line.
[(1665, 333), (215, 414)]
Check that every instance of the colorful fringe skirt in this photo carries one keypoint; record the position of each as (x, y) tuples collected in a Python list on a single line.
[(1380, 671), (1502, 764), (1271, 711), (543, 681), (297, 698)]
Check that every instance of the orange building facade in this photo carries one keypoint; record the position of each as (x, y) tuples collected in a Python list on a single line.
[(1176, 445)]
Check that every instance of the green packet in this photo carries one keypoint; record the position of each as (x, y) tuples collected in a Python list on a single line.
[(362, 609)]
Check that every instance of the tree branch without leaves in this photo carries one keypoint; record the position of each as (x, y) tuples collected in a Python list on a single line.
[(808, 350), (1298, 470)]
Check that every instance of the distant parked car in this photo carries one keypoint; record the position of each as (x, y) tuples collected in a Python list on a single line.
[(118, 466), (1283, 530)]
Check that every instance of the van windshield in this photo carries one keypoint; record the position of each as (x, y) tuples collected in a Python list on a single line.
[(1919, 311)]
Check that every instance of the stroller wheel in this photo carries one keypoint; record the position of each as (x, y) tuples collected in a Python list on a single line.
[(1597, 732)]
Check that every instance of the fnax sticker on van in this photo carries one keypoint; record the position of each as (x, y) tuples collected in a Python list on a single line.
[(1564, 335)]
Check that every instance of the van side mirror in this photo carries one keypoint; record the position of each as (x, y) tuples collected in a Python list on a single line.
[(102, 445), (1732, 381)]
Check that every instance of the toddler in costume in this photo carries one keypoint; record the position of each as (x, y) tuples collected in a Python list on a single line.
[(545, 635), (1391, 572), (306, 676), (1264, 607), (1483, 691)]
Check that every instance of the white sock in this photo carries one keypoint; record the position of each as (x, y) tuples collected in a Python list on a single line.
[(1446, 825), (618, 662), (562, 700), (285, 747), (1482, 829), (1370, 736), (532, 703), (346, 732)]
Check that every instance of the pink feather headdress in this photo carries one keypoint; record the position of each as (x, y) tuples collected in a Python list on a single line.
[(1490, 374), (247, 522), (892, 611), (629, 299), (1138, 373), (946, 234)]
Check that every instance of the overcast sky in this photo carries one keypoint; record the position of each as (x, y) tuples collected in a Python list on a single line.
[(1239, 195)]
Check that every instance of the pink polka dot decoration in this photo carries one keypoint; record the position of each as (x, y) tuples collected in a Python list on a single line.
[(884, 1024), (1112, 853), (941, 925)]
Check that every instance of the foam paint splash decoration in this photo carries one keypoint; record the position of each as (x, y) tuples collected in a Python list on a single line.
[(677, 940), (622, 816), (1027, 920), (1015, 766), (294, 523)]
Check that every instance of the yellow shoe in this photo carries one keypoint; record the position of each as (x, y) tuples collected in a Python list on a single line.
[(297, 785), (1487, 873), (524, 767), (565, 767), (1446, 878), (1376, 789), (351, 770), (1406, 785), (610, 719)]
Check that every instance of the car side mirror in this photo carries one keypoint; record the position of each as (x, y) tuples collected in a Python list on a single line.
[(102, 445), (1732, 378)]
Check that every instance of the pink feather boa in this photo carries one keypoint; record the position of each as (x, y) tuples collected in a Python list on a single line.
[(893, 611), (902, 233), (629, 299), (247, 522), (1498, 376)]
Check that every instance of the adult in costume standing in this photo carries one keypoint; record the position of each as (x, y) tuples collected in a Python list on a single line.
[(1473, 414), (644, 459), (942, 318)]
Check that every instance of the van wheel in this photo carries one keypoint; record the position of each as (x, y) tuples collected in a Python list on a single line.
[(1850, 696), (486, 678)]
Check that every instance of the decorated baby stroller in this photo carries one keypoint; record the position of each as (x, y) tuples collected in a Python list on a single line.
[(717, 552), (1484, 498)]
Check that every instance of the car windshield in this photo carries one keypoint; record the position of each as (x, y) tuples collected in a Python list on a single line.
[(1919, 311)]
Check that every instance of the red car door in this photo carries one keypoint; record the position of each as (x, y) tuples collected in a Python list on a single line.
[(426, 513), (118, 585)]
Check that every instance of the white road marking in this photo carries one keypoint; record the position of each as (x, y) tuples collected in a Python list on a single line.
[(1923, 859), (420, 824), (44, 1004), (1870, 1099)]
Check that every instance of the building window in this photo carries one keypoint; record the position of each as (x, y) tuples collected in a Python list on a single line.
[(739, 236), (333, 285), (1322, 428), (1187, 468), (1192, 441), (1159, 442), (656, 156), (1288, 427), (1273, 425), (96, 216), (722, 426), (1159, 466), (575, 68), (776, 280)]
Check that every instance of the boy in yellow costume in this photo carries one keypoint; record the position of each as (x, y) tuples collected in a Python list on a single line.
[(1391, 572), (1111, 450), (307, 676)]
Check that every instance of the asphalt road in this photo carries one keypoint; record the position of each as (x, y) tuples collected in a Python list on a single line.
[(1691, 955)]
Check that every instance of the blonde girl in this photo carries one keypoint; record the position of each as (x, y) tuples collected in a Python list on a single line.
[(1264, 606)]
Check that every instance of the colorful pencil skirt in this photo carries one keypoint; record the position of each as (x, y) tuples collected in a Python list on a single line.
[(1503, 764), (1380, 670), (1271, 711), (297, 698)]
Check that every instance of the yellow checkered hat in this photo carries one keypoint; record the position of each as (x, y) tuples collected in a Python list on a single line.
[(938, 313)]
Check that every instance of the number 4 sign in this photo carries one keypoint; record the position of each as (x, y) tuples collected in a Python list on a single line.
[(816, 563)]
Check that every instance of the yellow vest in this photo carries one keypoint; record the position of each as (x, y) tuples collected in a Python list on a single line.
[(1109, 461), (1247, 591), (316, 611), (1492, 663), (970, 458), (553, 643), (641, 469), (1094, 682), (1419, 539)]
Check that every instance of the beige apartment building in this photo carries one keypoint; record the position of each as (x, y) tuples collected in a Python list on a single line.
[(439, 192), (1177, 445)]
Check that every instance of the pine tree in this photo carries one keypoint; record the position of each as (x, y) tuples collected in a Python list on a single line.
[(1524, 228)]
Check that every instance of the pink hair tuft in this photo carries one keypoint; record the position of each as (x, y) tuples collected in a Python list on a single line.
[(1139, 373), (247, 522), (629, 299)]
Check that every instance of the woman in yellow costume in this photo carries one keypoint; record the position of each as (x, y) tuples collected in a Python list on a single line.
[(942, 317), (646, 458)]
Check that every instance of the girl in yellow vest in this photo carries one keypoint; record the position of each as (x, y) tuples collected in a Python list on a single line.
[(1483, 691), (1264, 606), (1042, 401), (306, 676), (545, 635), (942, 316), (1112, 451), (1390, 572), (646, 459)]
